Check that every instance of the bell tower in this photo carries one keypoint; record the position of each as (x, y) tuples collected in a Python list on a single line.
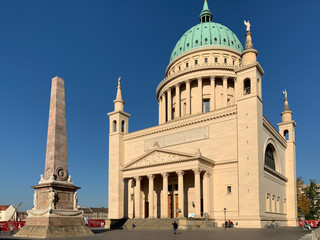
[(250, 117), (119, 126), (287, 130)]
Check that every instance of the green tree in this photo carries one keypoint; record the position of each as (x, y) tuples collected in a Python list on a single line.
[(313, 194), (303, 202)]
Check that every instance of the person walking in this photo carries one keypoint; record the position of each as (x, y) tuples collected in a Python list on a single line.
[(11, 230), (0, 230), (175, 227)]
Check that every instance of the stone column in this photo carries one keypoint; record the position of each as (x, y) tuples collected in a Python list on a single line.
[(137, 197), (169, 107), (151, 196), (130, 201), (178, 102), (164, 204), (181, 192), (160, 109), (225, 91), (126, 197), (163, 112), (197, 186), (213, 93), (206, 193), (200, 95), (188, 97)]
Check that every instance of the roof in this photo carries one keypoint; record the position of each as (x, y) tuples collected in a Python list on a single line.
[(206, 33), (4, 207), (91, 210)]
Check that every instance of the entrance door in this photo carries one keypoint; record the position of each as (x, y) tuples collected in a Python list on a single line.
[(146, 209), (177, 205), (170, 206)]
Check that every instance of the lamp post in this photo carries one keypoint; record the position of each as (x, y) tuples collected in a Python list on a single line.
[(225, 218)]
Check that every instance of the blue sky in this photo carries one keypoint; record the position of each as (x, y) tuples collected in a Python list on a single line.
[(89, 43)]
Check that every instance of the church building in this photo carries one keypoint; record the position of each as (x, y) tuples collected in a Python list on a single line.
[(214, 155)]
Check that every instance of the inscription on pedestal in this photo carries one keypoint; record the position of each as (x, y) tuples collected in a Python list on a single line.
[(186, 136)]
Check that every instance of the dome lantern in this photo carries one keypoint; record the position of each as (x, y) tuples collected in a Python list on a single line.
[(206, 14)]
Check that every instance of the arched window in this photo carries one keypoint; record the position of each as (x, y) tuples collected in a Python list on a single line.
[(286, 134), (269, 157), (114, 125), (122, 126), (247, 86)]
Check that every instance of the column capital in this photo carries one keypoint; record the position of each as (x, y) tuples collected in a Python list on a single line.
[(125, 180), (177, 85), (188, 81), (196, 170), (207, 174), (213, 77), (225, 77), (199, 79), (151, 176), (180, 173), (137, 178), (165, 174)]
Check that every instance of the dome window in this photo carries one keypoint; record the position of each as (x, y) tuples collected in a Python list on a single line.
[(206, 39), (216, 59), (220, 27), (205, 27), (197, 28), (206, 60), (196, 41), (196, 62), (232, 42), (215, 39), (225, 61), (213, 27), (180, 48), (224, 40), (188, 44), (187, 65)]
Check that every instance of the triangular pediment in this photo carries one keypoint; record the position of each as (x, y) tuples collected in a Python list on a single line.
[(158, 157)]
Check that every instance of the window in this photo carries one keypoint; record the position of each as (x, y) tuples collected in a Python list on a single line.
[(268, 202), (269, 157), (114, 125), (179, 68), (170, 188), (206, 60), (196, 62), (225, 60), (246, 87), (216, 59), (286, 134), (206, 105), (173, 113), (228, 189), (187, 65), (122, 126), (233, 62)]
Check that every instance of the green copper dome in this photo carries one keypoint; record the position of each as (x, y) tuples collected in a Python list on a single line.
[(206, 33)]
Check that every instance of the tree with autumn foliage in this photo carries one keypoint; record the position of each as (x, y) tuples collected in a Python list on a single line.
[(313, 194), (303, 202)]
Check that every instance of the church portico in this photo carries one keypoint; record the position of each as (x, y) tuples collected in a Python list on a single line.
[(177, 192)]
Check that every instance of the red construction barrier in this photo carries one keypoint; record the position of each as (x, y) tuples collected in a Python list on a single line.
[(5, 226), (96, 222), (312, 223)]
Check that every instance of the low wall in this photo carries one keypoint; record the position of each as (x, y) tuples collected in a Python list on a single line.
[(314, 235)]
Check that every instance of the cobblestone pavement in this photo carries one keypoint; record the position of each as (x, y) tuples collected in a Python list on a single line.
[(214, 234)]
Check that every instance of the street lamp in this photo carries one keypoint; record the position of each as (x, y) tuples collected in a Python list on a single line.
[(225, 218)]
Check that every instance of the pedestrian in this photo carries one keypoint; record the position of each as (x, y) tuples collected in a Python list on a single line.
[(175, 227), (0, 230), (11, 230), (225, 225)]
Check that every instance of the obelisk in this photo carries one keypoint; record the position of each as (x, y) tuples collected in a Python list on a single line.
[(55, 212)]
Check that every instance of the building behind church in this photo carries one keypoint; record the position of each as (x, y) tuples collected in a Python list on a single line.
[(214, 155)]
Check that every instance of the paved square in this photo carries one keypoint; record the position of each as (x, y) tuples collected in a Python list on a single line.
[(212, 234)]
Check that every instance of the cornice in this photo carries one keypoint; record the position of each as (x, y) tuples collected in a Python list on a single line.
[(189, 70), (274, 132), (182, 122), (256, 64), (275, 174)]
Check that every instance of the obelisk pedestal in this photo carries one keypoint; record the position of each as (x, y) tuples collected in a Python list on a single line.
[(55, 212)]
